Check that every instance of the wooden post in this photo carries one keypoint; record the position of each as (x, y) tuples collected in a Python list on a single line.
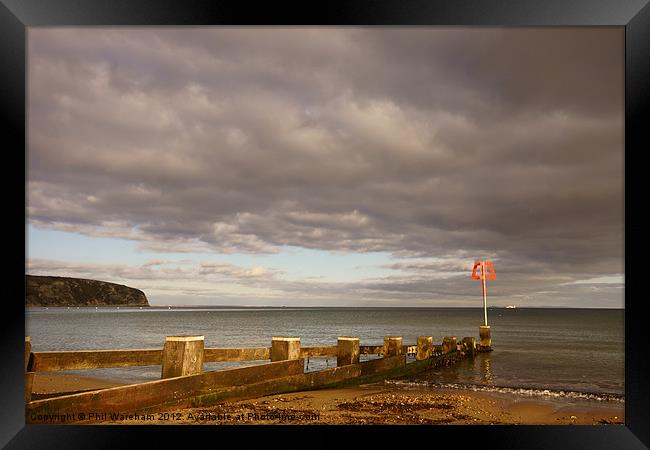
[(283, 348), (486, 337), (29, 383), (470, 345), (425, 347), (29, 376), (449, 344), (347, 351), (182, 355), (392, 346), (28, 351)]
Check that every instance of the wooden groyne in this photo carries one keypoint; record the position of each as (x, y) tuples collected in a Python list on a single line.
[(183, 382)]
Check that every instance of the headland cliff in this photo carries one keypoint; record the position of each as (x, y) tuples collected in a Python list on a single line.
[(64, 291)]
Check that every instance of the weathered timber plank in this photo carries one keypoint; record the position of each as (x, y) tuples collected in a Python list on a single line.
[(379, 349), (382, 364), (371, 349), (137, 396), (246, 387), (236, 354), (93, 359), (292, 383), (376, 370), (374, 374), (318, 351)]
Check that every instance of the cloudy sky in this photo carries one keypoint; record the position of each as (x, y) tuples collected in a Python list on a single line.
[(329, 166)]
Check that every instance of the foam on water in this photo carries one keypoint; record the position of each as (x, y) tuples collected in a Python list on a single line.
[(524, 391)]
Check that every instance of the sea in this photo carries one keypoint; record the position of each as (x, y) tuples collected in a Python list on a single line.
[(538, 352)]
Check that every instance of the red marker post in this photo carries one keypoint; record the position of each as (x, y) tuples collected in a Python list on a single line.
[(484, 270)]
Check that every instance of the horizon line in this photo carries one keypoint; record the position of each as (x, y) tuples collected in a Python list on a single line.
[(331, 307)]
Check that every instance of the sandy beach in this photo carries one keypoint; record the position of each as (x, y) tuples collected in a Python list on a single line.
[(377, 405), (49, 384), (362, 405)]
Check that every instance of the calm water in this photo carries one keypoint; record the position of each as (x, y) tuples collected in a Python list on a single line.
[(549, 352)]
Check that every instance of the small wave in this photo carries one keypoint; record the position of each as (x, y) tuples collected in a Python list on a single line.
[(531, 392)]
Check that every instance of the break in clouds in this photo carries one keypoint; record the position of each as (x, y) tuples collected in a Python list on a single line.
[(437, 146)]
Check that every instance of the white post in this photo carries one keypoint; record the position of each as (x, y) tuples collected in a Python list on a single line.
[(483, 275)]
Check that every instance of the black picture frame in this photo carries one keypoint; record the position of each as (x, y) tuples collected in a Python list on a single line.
[(17, 15)]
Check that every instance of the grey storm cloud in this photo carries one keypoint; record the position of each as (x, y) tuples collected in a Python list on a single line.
[(421, 142)]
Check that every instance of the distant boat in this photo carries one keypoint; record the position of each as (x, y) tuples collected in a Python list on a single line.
[(118, 307), (511, 307)]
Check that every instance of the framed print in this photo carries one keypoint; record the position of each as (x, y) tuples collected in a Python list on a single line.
[(342, 217)]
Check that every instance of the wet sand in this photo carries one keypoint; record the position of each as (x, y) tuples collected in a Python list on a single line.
[(48, 384)]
